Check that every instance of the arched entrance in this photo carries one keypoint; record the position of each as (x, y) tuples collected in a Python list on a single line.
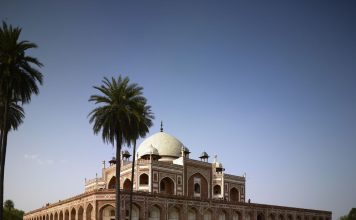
[(207, 215), (135, 212), (173, 214), (248, 216), (154, 213), (271, 217), (107, 213), (192, 214), (222, 216), (234, 195), (236, 216), (66, 215), (89, 212), (80, 213), (260, 216), (72, 214), (197, 186), (166, 186)]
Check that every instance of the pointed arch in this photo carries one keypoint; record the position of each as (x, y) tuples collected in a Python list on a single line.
[(73, 213), (81, 213), (112, 183), (260, 216), (154, 213), (66, 215), (173, 213), (135, 212), (61, 215), (234, 194), (248, 216), (236, 215), (107, 212), (272, 216), (208, 215), (223, 215), (126, 185), (192, 214), (167, 186), (89, 212), (198, 186)]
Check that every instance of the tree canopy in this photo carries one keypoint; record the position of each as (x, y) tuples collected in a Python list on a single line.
[(350, 216), (10, 213)]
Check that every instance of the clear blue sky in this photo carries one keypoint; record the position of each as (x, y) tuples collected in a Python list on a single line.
[(268, 86)]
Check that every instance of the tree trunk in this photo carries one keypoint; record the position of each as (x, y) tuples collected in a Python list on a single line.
[(3, 142), (3, 157), (132, 176), (118, 169)]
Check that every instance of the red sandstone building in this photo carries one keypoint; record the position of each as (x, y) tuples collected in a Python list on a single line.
[(169, 185)]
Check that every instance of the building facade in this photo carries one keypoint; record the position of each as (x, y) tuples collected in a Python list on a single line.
[(169, 185)]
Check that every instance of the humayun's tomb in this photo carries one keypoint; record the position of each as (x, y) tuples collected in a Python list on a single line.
[(169, 185)]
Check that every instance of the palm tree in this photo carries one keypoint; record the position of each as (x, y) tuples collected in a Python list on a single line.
[(141, 124), (18, 81), (14, 119), (118, 102)]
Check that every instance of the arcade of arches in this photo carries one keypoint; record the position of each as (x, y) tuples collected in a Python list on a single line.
[(157, 210), (168, 185)]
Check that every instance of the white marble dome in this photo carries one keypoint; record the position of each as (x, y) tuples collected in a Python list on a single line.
[(168, 147)]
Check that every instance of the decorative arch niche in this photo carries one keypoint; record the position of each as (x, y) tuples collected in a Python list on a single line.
[(234, 195), (193, 182), (166, 186)]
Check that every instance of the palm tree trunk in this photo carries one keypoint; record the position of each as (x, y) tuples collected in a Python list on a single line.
[(3, 157), (132, 176), (3, 142), (118, 169)]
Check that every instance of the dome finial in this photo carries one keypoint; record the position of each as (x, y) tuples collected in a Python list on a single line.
[(161, 126)]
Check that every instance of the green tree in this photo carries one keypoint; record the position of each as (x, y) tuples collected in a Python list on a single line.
[(10, 213), (350, 216), (118, 102), (140, 123), (18, 81), (9, 204)]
